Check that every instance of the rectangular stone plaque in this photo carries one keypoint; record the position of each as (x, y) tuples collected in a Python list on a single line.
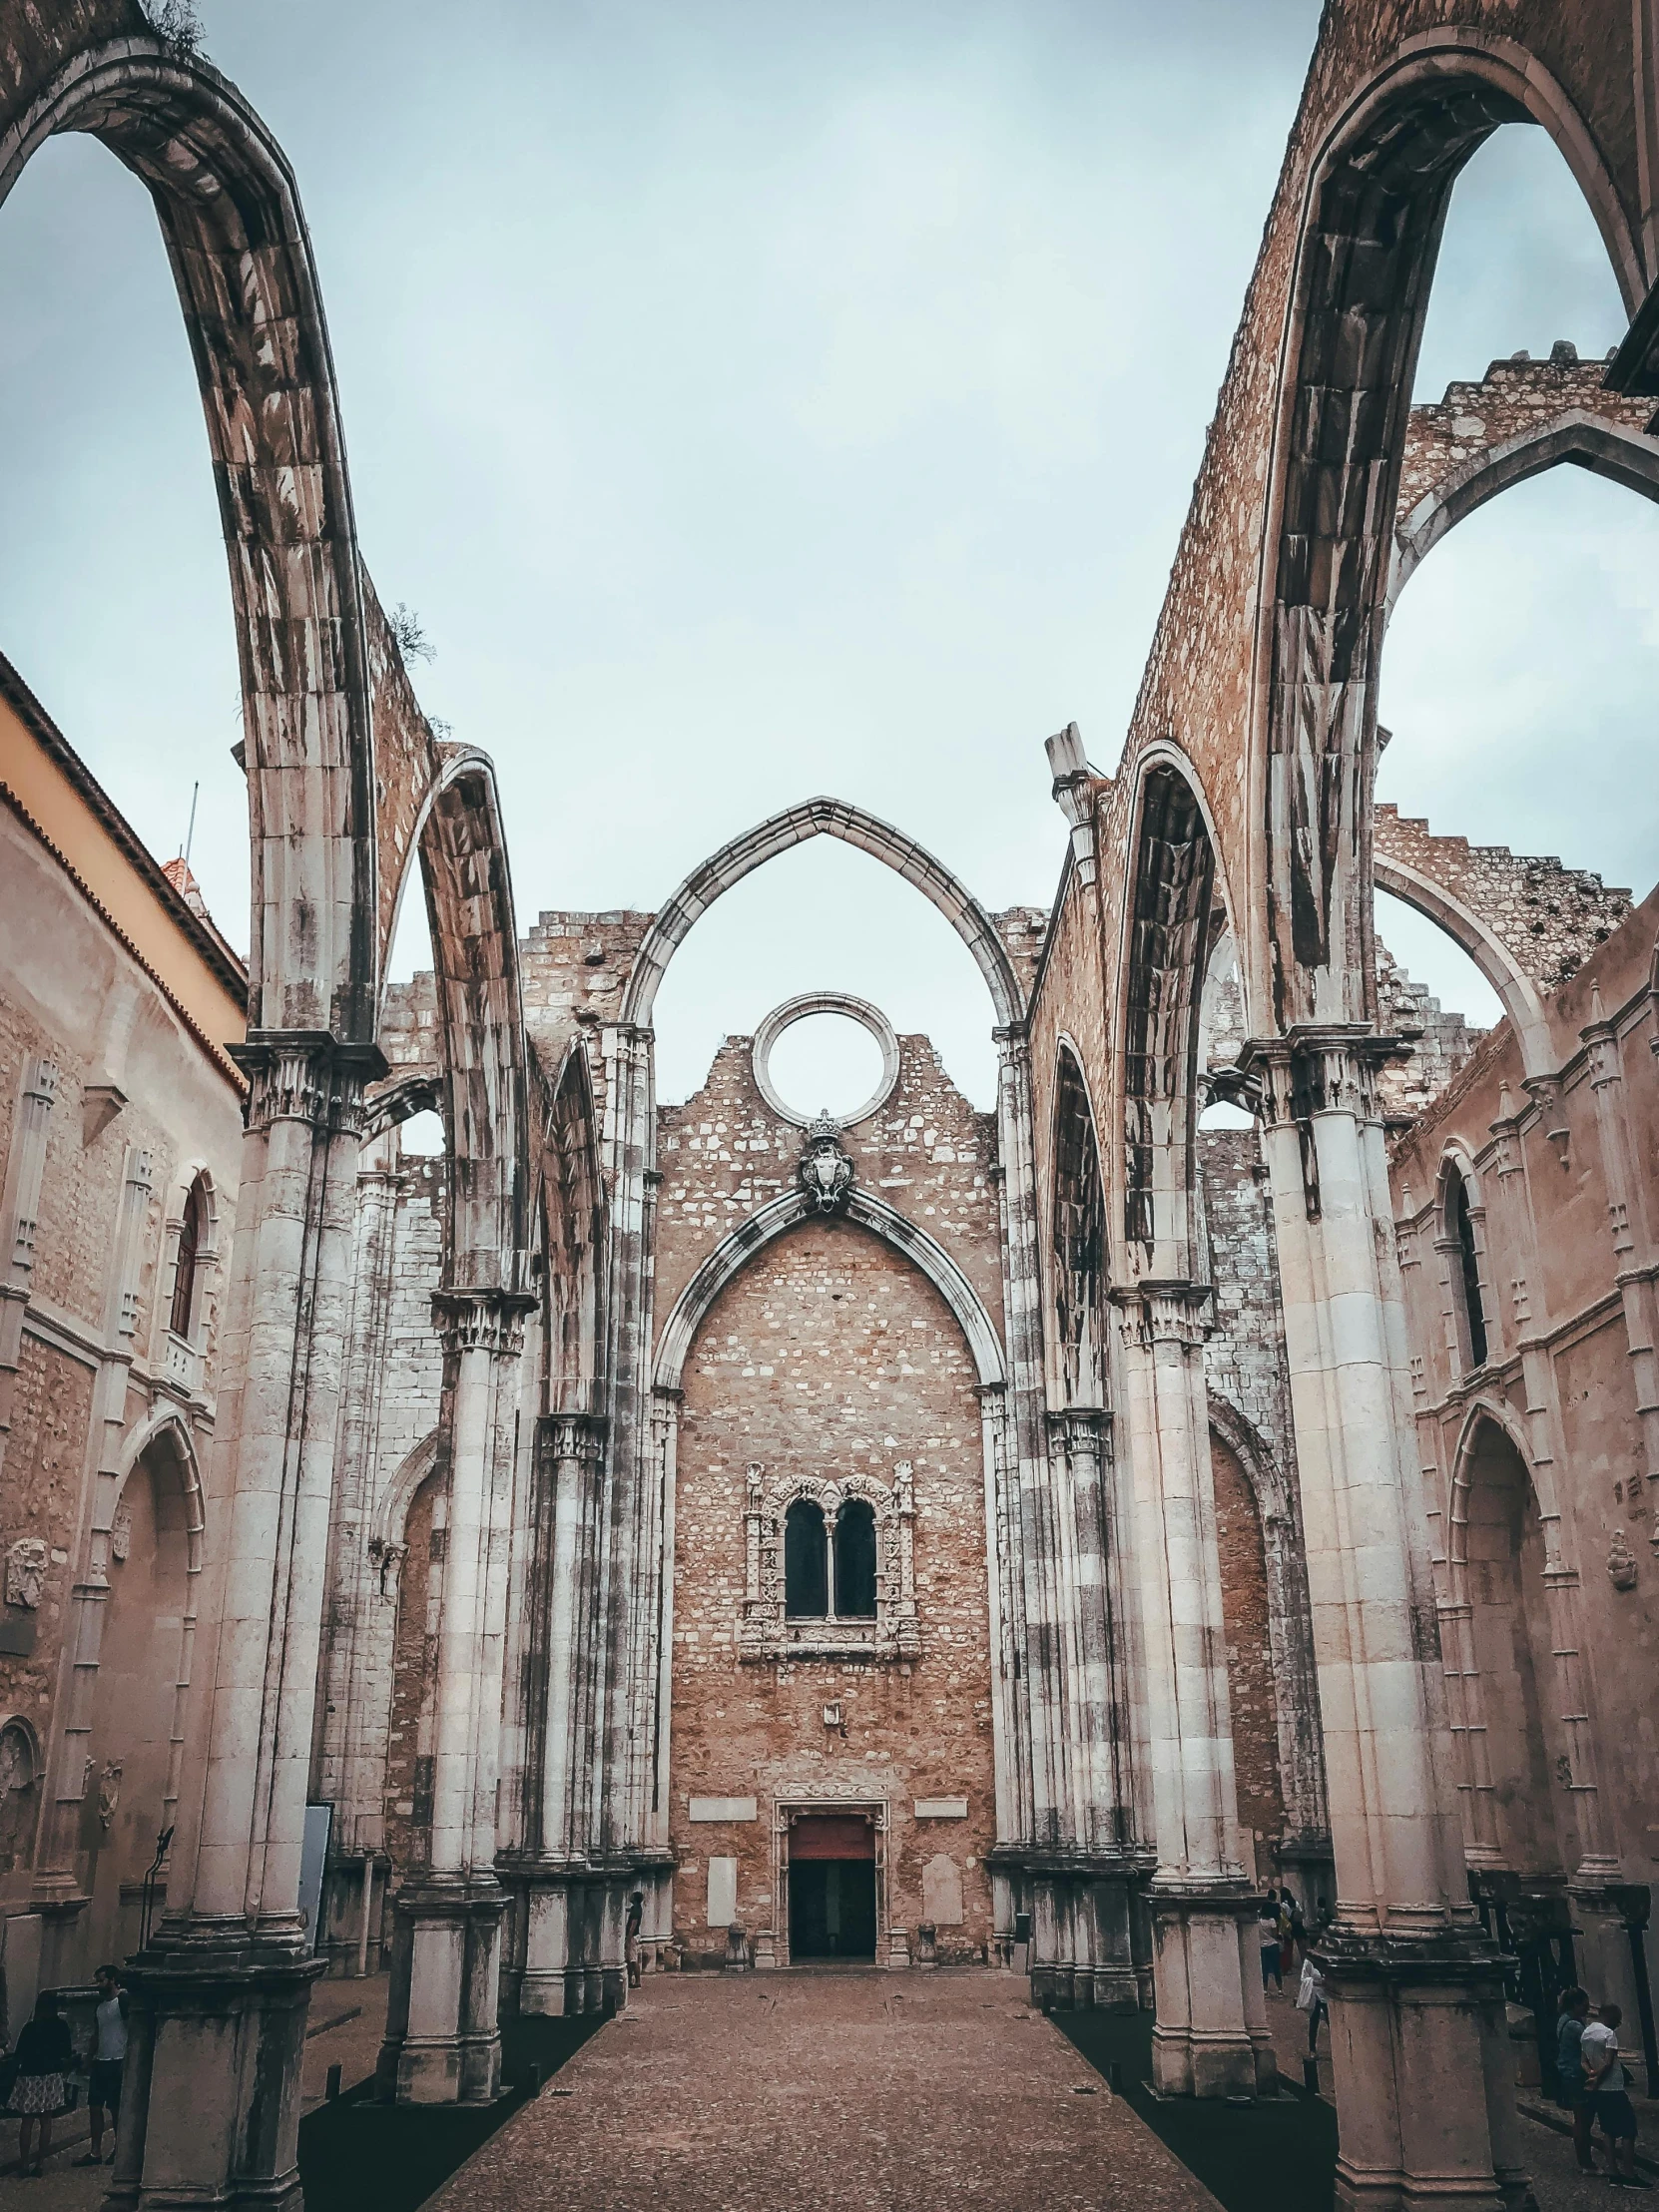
[(941, 1808), (723, 1892), (725, 1809)]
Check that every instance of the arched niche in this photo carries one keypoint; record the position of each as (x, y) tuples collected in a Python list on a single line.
[(1169, 931), (1370, 229), (1078, 1242)]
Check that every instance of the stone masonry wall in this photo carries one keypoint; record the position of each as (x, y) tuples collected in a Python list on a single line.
[(832, 1353), (1250, 1677)]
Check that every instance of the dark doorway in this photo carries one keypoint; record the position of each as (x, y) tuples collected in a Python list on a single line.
[(832, 1887), (833, 1909)]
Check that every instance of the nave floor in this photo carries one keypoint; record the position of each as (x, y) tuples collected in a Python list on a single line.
[(918, 2092)]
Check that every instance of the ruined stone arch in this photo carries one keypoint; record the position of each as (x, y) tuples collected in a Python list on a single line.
[(1168, 935), (821, 818), (1519, 996), (1370, 229), (867, 1210), (484, 1083), (572, 1223), (392, 1511), (169, 1427), (1610, 449), (236, 235), (400, 1101)]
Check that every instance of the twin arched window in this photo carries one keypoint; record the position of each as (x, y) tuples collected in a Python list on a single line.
[(824, 1561), (192, 1240)]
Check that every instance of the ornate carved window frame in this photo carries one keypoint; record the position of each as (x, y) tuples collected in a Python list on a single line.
[(767, 1632)]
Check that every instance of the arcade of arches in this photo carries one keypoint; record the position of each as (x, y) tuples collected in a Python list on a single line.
[(693, 1536)]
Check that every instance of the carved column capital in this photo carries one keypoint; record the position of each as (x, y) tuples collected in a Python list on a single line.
[(566, 1436), (1318, 1068), (482, 1321), (1080, 1431), (306, 1075), (1164, 1312)]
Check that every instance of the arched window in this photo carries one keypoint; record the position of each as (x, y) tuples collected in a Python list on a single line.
[(806, 1562), (856, 1562), (193, 1236), (1461, 1228)]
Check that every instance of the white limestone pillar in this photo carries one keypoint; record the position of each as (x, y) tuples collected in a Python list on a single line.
[(443, 2037), (1210, 2037), (571, 1455), (210, 2110), (1415, 1996)]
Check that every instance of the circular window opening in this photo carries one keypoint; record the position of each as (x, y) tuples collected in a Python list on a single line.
[(825, 1064)]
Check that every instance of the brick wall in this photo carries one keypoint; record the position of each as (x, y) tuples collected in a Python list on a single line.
[(832, 1353)]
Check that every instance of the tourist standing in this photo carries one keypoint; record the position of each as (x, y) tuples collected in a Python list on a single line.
[(1268, 1930), (1570, 2090), (630, 1937), (1311, 2000), (1609, 2095), (44, 2059), (108, 2052)]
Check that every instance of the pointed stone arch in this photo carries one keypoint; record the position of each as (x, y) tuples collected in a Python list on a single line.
[(1370, 230), (236, 235), (733, 1253), (821, 817)]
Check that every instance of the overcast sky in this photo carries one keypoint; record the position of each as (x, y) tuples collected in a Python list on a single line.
[(754, 400)]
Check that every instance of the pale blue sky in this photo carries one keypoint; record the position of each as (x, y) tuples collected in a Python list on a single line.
[(755, 401)]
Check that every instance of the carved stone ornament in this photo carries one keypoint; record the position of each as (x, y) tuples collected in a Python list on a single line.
[(121, 1534), (25, 1572), (825, 1171), (1621, 1562), (108, 1794)]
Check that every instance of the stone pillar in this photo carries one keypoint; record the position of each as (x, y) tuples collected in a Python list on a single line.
[(1635, 1270), (1210, 2035), (550, 1980), (210, 2108), (1416, 1999), (443, 2037)]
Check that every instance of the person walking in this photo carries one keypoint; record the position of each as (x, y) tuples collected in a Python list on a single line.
[(44, 2058), (631, 1938), (1573, 2010), (1299, 1933), (108, 2052), (1286, 1937), (1609, 2095), (1268, 1930), (1309, 1998)]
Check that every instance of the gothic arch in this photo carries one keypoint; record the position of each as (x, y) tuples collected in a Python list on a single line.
[(484, 1083), (1166, 939), (821, 817), (1521, 998), (169, 1428), (395, 1499), (1611, 449), (733, 1253), (1368, 234), (236, 235), (573, 1228)]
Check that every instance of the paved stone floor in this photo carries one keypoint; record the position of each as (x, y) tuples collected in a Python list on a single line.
[(903, 2093)]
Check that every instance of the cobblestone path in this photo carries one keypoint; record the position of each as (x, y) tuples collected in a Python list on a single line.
[(908, 2092)]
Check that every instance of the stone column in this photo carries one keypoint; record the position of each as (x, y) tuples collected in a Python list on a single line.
[(1416, 1993), (1210, 2035), (210, 2108), (571, 1455), (443, 2037)]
